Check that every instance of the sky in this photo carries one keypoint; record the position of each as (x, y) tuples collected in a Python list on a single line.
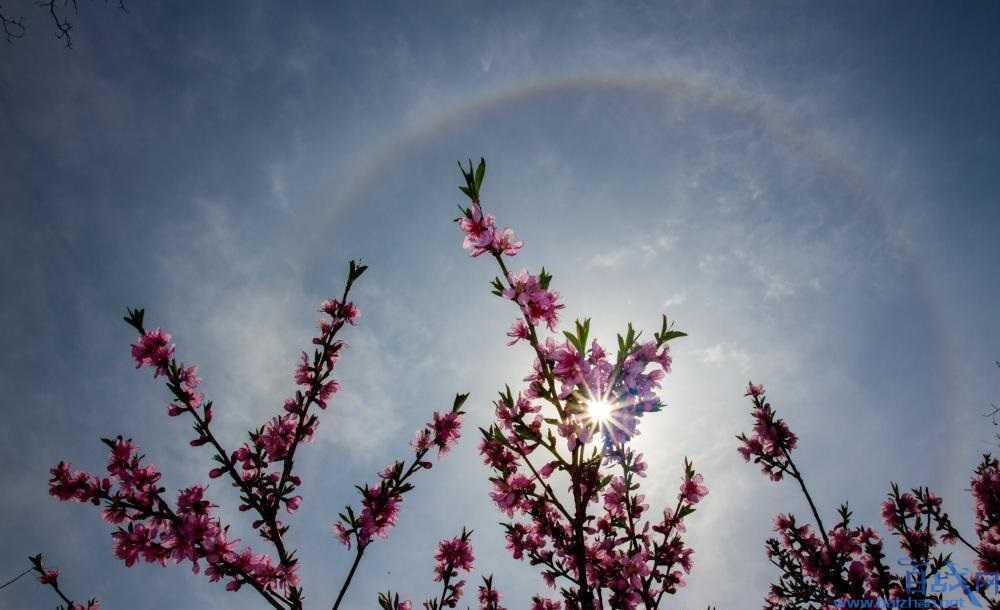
[(808, 189)]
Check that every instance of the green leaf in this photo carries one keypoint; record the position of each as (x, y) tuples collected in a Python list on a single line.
[(498, 287), (583, 331), (574, 341), (544, 279), (480, 173)]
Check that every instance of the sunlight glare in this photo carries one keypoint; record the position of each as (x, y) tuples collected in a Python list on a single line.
[(599, 411)]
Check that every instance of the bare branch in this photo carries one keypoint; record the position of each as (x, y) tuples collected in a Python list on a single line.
[(63, 25), (12, 28)]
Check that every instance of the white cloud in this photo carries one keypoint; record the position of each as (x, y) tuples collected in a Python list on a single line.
[(642, 249), (711, 263), (609, 260), (673, 300), (724, 354)]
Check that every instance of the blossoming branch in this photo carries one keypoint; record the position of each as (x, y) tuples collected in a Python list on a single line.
[(152, 529), (845, 566), (560, 447)]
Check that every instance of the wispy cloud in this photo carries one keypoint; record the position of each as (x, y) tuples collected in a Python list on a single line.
[(641, 250), (724, 354), (673, 300)]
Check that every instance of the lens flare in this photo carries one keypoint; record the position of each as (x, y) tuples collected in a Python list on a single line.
[(599, 411)]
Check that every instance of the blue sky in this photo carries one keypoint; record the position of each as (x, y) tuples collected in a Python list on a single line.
[(810, 190)]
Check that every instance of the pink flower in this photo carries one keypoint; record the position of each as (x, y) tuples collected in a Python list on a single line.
[(342, 534), (75, 486), (153, 349), (49, 577), (278, 436), (692, 489), (379, 515), (338, 311), (489, 598), (537, 303), (755, 391), (392, 470), (546, 470), (422, 440), (453, 554), (482, 236), (504, 242), (510, 493), (447, 429), (479, 230), (522, 540), (575, 432), (305, 373), (191, 501), (541, 603), (518, 331)]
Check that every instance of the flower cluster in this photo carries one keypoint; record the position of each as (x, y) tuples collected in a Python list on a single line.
[(846, 564), (985, 487), (538, 304), (50, 578), (380, 503), (586, 375), (481, 233), (771, 442), (153, 350), (453, 557), (574, 503), (153, 531), (263, 468), (542, 603), (489, 598)]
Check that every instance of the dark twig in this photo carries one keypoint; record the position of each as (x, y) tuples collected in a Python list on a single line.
[(12, 28), (16, 578)]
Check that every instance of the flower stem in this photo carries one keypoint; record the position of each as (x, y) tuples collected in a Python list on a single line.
[(805, 491), (15, 579), (350, 576)]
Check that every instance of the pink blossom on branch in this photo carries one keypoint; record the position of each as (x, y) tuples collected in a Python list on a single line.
[(489, 598), (50, 578), (531, 293), (481, 234), (771, 442), (154, 350), (453, 557), (693, 489), (380, 503), (153, 529), (549, 473), (827, 568)]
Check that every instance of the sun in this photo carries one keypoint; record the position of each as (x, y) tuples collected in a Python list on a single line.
[(599, 411)]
